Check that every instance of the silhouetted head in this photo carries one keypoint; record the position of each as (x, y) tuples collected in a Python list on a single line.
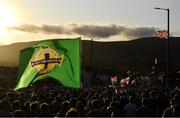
[(65, 104), (34, 107), (44, 107), (79, 104), (145, 101), (94, 104), (106, 101), (16, 105), (5, 104), (18, 113), (113, 104), (131, 99), (72, 113)]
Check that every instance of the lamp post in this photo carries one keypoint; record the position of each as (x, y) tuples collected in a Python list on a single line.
[(91, 55), (168, 55)]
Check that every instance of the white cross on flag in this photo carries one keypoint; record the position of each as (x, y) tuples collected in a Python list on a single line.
[(114, 79), (162, 34)]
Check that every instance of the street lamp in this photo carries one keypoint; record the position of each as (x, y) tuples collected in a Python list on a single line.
[(91, 55), (168, 57)]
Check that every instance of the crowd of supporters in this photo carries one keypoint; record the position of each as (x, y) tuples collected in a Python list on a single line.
[(146, 98)]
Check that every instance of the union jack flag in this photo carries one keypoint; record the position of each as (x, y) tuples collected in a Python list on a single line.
[(114, 79), (162, 34)]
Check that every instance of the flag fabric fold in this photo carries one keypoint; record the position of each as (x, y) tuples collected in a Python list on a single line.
[(56, 58)]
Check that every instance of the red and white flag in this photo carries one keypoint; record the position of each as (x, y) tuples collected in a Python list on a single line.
[(122, 81), (162, 34), (125, 80), (114, 79)]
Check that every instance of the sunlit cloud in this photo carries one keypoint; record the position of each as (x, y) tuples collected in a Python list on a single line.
[(88, 30), (137, 32), (96, 31)]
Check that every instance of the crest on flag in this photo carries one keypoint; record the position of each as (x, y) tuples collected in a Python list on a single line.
[(46, 59)]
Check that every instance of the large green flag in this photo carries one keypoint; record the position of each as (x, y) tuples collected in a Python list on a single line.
[(56, 58)]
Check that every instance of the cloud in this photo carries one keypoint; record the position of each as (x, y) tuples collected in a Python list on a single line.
[(96, 31), (47, 29), (26, 28), (139, 32), (54, 29), (88, 30)]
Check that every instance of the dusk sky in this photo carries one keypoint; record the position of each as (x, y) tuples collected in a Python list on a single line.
[(30, 20)]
